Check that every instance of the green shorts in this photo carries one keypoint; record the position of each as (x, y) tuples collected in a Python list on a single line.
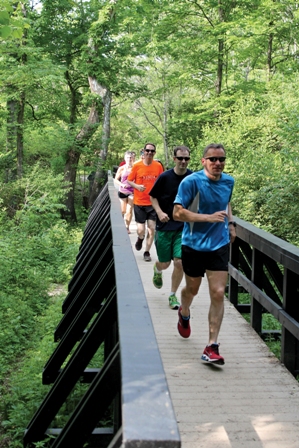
[(168, 245)]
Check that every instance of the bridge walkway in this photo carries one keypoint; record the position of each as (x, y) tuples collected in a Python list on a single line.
[(252, 401)]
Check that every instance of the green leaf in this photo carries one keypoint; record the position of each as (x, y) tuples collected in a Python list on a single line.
[(17, 33), (4, 18), (5, 31)]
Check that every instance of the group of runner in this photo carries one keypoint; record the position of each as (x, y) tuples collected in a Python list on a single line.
[(190, 218)]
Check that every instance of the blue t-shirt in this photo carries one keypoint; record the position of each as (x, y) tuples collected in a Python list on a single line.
[(200, 194)]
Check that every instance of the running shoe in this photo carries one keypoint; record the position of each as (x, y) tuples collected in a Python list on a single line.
[(183, 325), (157, 279), (147, 256), (211, 354), (174, 304), (138, 244)]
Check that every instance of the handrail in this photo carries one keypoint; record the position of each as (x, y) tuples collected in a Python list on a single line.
[(267, 267), (147, 411), (279, 250)]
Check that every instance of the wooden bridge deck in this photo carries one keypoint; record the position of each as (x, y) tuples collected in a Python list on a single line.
[(252, 401)]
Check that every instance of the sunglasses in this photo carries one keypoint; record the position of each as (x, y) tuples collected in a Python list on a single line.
[(214, 159), (182, 158), (150, 150)]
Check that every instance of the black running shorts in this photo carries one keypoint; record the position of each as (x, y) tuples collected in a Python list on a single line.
[(143, 213), (196, 263)]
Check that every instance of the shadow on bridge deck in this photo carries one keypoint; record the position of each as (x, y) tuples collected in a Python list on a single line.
[(252, 401)]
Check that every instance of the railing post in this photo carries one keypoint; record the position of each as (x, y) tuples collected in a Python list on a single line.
[(232, 283), (289, 343), (257, 278), (110, 341)]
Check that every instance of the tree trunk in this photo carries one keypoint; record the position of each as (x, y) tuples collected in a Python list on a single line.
[(11, 137), (21, 107), (269, 54), (165, 136), (20, 135), (15, 119), (84, 135), (15, 137), (165, 122), (220, 67), (70, 172), (73, 156), (220, 53), (100, 174)]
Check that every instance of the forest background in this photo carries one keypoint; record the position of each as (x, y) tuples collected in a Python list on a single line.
[(81, 82)]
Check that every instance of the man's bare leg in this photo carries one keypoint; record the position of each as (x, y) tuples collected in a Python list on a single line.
[(177, 274), (188, 293), (161, 265), (217, 282), (151, 225), (141, 230)]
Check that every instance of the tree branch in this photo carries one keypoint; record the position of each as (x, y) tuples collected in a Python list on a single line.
[(33, 112)]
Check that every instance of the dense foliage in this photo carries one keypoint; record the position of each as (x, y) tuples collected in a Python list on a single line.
[(84, 81), (38, 250)]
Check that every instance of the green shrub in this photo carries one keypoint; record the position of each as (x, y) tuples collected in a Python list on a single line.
[(37, 249), (24, 391)]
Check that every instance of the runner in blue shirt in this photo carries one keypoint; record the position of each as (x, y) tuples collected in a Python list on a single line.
[(203, 203)]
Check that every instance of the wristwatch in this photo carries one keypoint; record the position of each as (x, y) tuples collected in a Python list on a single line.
[(233, 223)]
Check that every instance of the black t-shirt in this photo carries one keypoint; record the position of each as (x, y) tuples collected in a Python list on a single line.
[(165, 190)]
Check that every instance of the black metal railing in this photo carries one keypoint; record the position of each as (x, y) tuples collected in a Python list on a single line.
[(268, 269), (106, 307)]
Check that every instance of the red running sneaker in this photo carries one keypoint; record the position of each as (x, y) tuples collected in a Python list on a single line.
[(211, 354), (183, 325)]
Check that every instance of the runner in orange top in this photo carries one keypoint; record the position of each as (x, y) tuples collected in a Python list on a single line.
[(142, 178)]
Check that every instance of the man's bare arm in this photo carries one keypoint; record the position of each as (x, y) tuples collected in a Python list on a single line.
[(163, 217), (182, 214), (136, 186)]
